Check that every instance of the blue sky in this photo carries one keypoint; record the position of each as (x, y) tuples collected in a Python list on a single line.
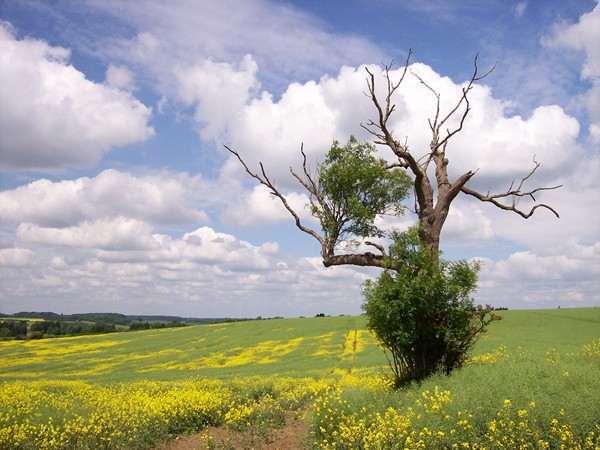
[(116, 193)]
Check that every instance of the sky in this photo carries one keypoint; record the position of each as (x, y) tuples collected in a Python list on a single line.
[(117, 194)]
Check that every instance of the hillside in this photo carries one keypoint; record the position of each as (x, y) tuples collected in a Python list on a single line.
[(294, 347)]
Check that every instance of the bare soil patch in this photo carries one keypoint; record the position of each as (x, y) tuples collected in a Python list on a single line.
[(292, 436)]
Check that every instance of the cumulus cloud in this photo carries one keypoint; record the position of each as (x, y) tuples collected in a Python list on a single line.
[(565, 275), (161, 199), (265, 208), (200, 271), (52, 117), (467, 222), (16, 257), (217, 91), (117, 233)]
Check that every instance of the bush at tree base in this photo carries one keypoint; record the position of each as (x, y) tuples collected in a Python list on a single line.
[(422, 313)]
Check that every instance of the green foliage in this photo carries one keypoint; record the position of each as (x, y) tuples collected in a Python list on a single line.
[(13, 328), (356, 187), (422, 313)]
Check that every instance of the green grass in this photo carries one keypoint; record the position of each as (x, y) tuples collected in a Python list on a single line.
[(564, 329), (287, 347)]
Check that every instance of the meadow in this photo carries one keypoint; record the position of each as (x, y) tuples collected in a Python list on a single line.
[(532, 382)]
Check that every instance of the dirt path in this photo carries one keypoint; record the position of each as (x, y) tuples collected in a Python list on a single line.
[(293, 436)]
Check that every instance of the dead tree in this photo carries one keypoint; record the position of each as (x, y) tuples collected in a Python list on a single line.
[(431, 205)]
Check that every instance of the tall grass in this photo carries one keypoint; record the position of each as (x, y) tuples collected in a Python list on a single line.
[(508, 400)]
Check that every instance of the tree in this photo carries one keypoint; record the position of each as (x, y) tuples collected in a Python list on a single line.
[(350, 190), (434, 191), (422, 313)]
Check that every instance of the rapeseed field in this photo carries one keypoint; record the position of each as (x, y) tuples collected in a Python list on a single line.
[(138, 390)]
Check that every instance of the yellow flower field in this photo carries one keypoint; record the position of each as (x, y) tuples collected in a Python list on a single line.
[(519, 398)]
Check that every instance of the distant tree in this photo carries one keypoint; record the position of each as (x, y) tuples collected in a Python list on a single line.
[(133, 326), (13, 328), (102, 327)]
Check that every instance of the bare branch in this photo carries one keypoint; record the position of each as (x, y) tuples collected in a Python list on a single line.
[(264, 180), (436, 125), (515, 194), (377, 246), (379, 129), (330, 239)]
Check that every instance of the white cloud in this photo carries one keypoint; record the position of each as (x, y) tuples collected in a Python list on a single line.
[(210, 272), (110, 234), (52, 116), (217, 91), (120, 77), (583, 35), (273, 131), (468, 222), (264, 208), (566, 275), (162, 198), (285, 42), (520, 9), (16, 257)]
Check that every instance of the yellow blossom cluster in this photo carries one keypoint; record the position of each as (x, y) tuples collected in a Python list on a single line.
[(492, 357), (592, 350), (338, 426), (52, 414)]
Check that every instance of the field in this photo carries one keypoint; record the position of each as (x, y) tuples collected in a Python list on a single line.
[(533, 382)]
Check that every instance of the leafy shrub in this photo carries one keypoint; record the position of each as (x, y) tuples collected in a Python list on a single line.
[(422, 313)]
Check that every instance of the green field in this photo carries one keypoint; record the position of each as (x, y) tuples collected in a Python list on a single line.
[(533, 382), (287, 347)]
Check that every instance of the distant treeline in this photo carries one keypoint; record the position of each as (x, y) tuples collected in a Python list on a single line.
[(37, 325), (114, 318)]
